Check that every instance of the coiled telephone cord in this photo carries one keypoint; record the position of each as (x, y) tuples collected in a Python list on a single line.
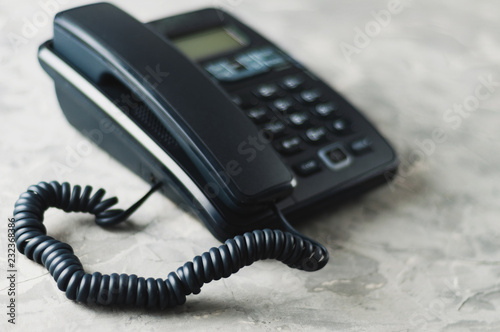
[(289, 247)]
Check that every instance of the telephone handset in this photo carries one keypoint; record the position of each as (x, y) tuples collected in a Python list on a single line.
[(186, 101), (219, 119)]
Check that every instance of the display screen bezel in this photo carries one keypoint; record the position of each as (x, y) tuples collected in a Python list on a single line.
[(198, 45)]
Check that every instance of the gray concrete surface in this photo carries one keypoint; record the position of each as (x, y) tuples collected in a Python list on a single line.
[(419, 254)]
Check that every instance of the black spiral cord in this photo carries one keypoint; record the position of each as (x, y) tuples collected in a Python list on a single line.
[(289, 247)]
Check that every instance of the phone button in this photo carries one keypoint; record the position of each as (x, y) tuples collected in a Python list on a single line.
[(315, 135), (283, 105), (275, 129), (309, 96), (361, 146), (267, 91), (268, 56), (258, 115), (299, 119), (335, 157), (289, 145), (249, 63), (292, 82), (341, 126), (219, 71), (308, 167), (325, 110), (229, 70)]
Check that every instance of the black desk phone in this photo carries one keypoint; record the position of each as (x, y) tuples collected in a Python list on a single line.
[(220, 120)]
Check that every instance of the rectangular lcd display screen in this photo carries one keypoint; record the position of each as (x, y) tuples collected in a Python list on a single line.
[(209, 42)]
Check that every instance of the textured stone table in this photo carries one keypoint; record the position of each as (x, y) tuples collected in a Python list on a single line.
[(421, 253)]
